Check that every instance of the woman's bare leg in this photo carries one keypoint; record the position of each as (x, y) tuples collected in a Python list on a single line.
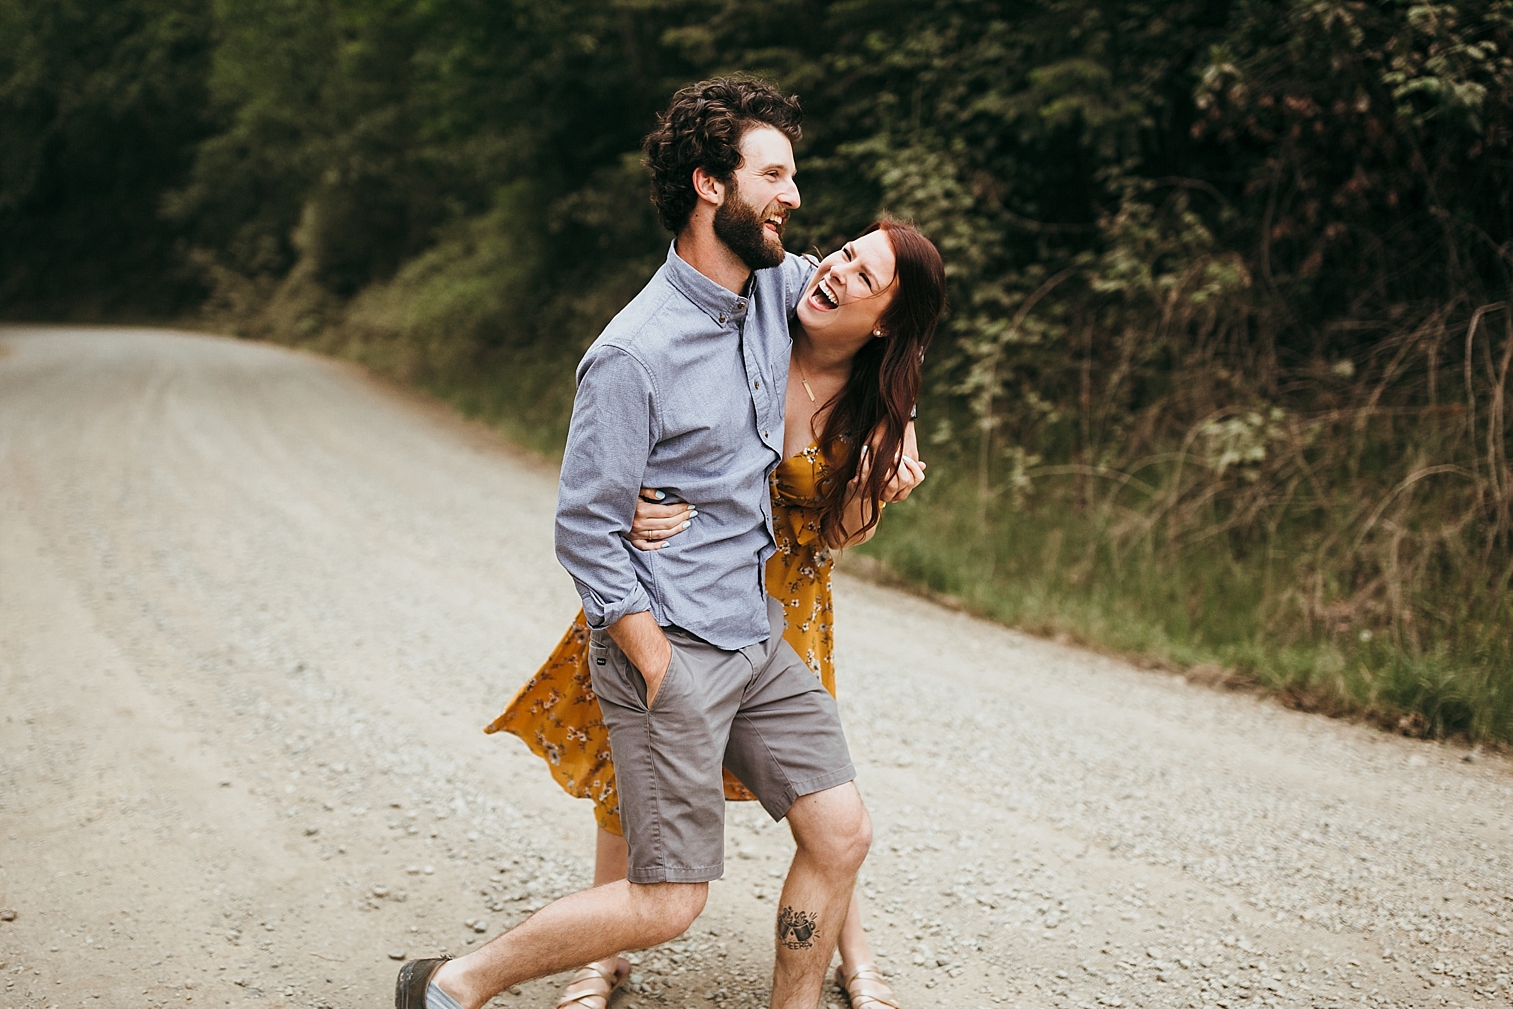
[(856, 952), (611, 857), (853, 946)]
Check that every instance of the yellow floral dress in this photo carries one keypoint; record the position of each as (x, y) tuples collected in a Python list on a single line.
[(556, 712)]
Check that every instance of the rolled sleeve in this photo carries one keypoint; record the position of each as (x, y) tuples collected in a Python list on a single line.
[(608, 443)]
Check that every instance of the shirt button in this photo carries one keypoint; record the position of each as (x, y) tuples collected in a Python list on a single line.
[(757, 384), (722, 318)]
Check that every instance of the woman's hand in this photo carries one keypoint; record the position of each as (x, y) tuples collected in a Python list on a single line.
[(909, 475), (655, 522), (911, 453)]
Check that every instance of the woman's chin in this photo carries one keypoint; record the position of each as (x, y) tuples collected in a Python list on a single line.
[(813, 320)]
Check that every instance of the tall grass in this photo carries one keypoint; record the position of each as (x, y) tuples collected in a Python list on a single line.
[(1051, 569), (1349, 552)]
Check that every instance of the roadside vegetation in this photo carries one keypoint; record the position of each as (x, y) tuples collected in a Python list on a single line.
[(1225, 380)]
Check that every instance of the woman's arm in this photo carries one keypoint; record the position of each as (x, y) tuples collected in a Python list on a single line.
[(911, 472)]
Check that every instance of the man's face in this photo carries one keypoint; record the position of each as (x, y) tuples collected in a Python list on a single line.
[(761, 194)]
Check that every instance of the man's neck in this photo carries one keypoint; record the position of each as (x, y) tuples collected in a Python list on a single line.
[(701, 249)]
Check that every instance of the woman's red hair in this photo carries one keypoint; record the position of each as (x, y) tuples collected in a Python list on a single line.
[(874, 406)]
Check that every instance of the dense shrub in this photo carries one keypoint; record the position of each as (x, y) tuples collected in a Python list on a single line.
[(101, 106)]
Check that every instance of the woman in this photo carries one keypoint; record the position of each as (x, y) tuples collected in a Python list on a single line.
[(865, 320)]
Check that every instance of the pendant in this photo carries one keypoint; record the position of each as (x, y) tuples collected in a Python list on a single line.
[(808, 391)]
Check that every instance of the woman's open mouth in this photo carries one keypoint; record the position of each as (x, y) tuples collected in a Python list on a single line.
[(823, 298)]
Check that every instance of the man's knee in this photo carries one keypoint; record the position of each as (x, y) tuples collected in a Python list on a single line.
[(833, 826), (669, 909), (854, 839)]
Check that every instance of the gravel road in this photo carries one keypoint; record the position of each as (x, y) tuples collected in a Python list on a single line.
[(255, 608)]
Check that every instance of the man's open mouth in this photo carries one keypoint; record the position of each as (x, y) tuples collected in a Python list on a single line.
[(776, 223), (823, 296)]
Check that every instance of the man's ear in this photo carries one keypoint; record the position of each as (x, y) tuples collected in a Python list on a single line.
[(710, 189)]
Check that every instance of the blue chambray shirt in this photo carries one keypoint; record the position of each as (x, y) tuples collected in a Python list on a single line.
[(683, 391)]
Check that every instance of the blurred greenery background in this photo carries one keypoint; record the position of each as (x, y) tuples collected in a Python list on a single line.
[(1224, 383)]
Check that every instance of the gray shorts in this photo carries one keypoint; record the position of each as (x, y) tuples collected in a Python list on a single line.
[(758, 711)]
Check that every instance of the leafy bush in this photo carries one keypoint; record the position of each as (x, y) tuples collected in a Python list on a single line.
[(101, 106)]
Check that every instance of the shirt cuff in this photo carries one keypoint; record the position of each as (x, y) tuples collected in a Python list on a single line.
[(601, 614)]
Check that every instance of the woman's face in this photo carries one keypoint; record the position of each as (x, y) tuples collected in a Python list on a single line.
[(850, 291)]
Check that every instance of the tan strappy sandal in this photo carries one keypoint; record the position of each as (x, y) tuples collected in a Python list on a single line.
[(592, 986), (866, 988)]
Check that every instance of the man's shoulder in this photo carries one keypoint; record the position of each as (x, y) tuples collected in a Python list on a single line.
[(788, 279), (634, 328), (796, 268)]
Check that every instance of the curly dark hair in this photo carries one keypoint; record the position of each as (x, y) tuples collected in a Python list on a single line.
[(702, 128)]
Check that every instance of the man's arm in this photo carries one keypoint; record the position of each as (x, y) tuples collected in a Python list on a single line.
[(608, 443)]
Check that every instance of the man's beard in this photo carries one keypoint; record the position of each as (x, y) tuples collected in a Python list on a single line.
[(739, 226)]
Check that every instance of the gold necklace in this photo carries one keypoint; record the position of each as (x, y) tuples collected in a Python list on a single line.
[(803, 376)]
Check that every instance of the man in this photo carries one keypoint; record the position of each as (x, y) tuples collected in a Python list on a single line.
[(684, 391)]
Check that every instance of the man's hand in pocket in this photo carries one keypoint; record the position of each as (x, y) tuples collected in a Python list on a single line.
[(646, 646)]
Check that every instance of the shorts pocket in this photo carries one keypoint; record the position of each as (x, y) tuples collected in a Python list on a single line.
[(659, 701), (619, 680)]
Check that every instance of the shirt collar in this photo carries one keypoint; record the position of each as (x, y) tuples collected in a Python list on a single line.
[(721, 305)]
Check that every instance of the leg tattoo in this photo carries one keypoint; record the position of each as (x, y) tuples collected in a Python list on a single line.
[(796, 929)]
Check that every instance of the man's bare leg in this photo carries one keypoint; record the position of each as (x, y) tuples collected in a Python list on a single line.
[(833, 832), (611, 862), (577, 929)]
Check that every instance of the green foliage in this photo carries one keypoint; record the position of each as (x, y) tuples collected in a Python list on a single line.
[(101, 104), (1226, 372)]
